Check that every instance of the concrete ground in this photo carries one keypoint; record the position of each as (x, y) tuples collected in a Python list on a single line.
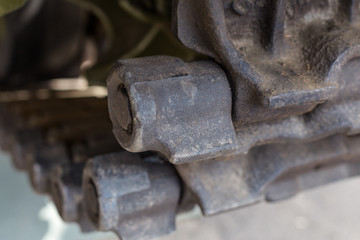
[(328, 213)]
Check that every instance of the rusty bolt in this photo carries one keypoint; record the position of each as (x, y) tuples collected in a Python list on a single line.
[(66, 192), (165, 105), (136, 197)]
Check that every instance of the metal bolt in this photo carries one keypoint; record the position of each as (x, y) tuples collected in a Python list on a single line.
[(92, 204), (123, 107), (123, 187), (181, 110), (66, 192)]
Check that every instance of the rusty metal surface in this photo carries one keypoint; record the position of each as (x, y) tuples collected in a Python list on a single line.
[(274, 97), (181, 110), (197, 125), (135, 197), (66, 192), (267, 167), (273, 110), (280, 111), (283, 57)]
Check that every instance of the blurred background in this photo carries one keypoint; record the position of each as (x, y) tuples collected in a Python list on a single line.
[(327, 213)]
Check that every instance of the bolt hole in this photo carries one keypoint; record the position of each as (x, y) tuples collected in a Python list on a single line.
[(92, 204), (123, 109)]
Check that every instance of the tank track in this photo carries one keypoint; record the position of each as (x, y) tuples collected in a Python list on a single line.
[(246, 101)]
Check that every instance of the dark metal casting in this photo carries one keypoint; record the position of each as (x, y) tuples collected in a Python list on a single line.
[(272, 109), (136, 197)]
